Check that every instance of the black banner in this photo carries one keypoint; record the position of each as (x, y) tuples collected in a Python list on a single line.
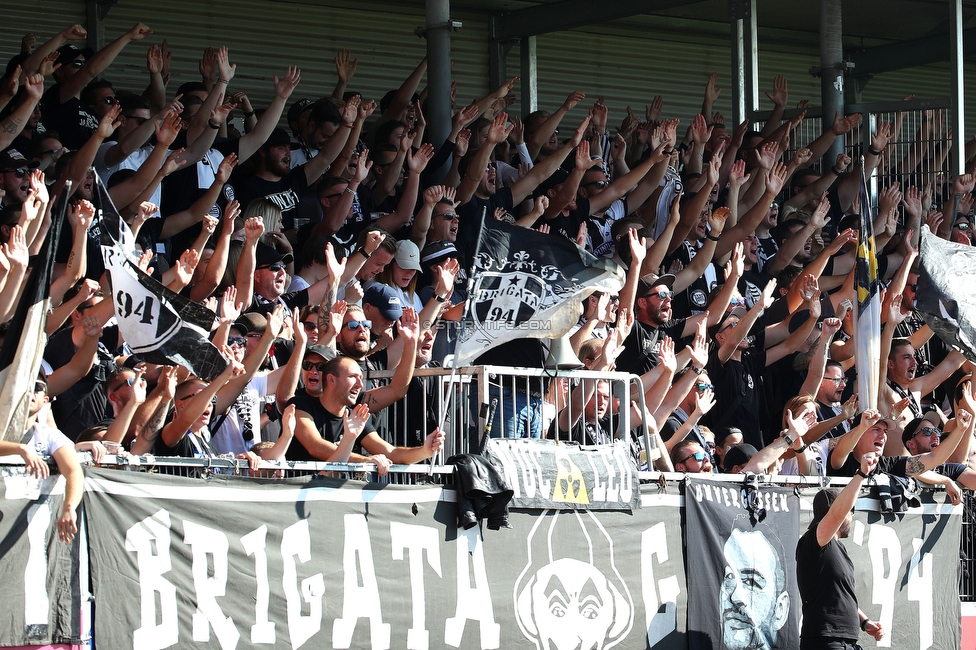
[(741, 540), (550, 475), (42, 576), (238, 563)]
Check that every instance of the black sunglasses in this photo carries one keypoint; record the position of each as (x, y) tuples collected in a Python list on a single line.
[(309, 366)]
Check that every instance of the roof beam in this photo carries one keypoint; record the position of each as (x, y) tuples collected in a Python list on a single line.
[(567, 14), (907, 54)]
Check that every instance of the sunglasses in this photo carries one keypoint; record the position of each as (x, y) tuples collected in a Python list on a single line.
[(111, 101), (274, 268), (599, 184), (928, 432), (837, 380), (354, 324), (40, 387), (913, 287), (702, 386), (20, 172), (213, 400), (310, 366), (239, 341), (700, 456), (447, 216), (77, 64), (962, 226), (310, 326), (661, 295)]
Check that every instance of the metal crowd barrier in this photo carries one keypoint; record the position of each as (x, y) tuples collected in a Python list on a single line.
[(461, 406)]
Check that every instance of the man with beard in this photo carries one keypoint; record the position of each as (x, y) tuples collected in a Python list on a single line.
[(321, 422), (825, 573), (754, 599), (903, 385)]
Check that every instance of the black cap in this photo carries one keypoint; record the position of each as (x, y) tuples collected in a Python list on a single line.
[(278, 138), (298, 108), (251, 322), (68, 53), (652, 280), (323, 351), (13, 159), (739, 455), (265, 256), (738, 311), (436, 252)]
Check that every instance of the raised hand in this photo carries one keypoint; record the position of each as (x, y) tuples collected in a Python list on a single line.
[(287, 84), (780, 94), (345, 68)]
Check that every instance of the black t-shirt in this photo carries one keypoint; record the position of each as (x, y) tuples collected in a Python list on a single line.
[(642, 345), (894, 465), (293, 299), (737, 393), (286, 193), (189, 446), (360, 218), (328, 425), (73, 123), (694, 299), (84, 404), (825, 578)]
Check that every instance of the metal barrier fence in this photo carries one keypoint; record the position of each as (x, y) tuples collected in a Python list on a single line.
[(522, 400), (918, 154)]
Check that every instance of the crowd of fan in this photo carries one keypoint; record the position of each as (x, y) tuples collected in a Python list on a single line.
[(340, 245)]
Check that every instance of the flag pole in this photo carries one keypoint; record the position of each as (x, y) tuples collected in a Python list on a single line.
[(464, 316)]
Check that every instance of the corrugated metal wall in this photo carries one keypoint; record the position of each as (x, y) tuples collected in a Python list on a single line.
[(628, 63)]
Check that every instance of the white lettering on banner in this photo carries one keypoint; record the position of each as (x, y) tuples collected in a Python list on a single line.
[(296, 544), (919, 589), (473, 602), (530, 472), (140, 539), (730, 497), (205, 543), (415, 540), (654, 541), (359, 602), (37, 605), (885, 551), (254, 543)]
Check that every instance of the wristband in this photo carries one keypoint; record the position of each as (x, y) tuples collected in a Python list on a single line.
[(667, 152), (246, 114), (864, 623), (835, 171), (697, 370), (439, 298), (862, 475), (212, 125), (350, 190), (362, 251), (682, 147), (710, 238), (801, 449), (873, 151), (222, 81)]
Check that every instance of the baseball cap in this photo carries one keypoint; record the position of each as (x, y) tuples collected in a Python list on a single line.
[(323, 351), (408, 255), (436, 252), (12, 159), (738, 311), (266, 256), (739, 455), (68, 53), (298, 108), (385, 299), (251, 322), (652, 280), (278, 138)]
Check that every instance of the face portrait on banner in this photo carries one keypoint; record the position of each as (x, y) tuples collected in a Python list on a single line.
[(754, 601), (743, 595)]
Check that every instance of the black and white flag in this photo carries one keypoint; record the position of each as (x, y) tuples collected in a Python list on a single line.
[(528, 284), (944, 298), (23, 346), (159, 325)]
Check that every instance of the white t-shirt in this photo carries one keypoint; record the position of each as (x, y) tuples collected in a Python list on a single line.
[(229, 438)]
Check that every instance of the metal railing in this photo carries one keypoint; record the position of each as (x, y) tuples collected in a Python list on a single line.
[(518, 401)]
